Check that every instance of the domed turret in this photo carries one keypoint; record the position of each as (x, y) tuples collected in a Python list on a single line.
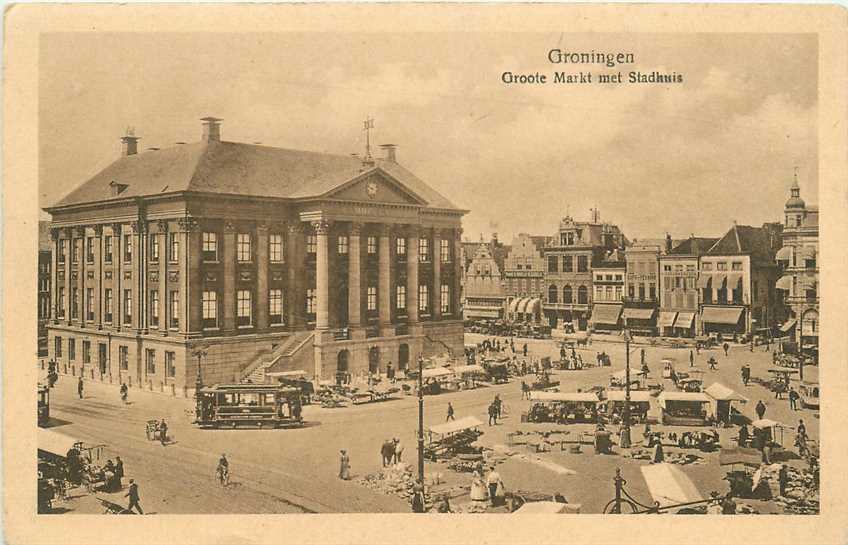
[(795, 200)]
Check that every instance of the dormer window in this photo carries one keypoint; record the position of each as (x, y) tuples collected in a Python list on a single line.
[(117, 188)]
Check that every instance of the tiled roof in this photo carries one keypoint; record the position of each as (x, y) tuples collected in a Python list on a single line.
[(693, 246), (745, 239), (540, 241), (242, 169)]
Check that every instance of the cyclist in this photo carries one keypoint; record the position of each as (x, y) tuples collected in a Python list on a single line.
[(223, 470)]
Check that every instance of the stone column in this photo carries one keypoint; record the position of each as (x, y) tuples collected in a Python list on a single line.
[(262, 300), (412, 275), (80, 233), (190, 288), (54, 275), (229, 296), (354, 277), (117, 276), (456, 286), (436, 311), (322, 276), (384, 280), (295, 294), (98, 276), (164, 315), (138, 281), (69, 237)]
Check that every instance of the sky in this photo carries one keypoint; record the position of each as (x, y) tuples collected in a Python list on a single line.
[(686, 158)]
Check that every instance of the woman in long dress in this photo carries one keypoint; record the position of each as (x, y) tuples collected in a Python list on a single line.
[(344, 466), (659, 455)]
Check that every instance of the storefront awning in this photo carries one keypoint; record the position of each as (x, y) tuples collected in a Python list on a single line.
[(726, 315), (784, 283), (787, 327), (513, 305), (684, 319), (638, 313), (666, 319), (530, 305), (606, 314), (705, 281), (784, 254)]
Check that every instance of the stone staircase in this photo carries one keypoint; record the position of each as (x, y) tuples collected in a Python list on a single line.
[(286, 350)]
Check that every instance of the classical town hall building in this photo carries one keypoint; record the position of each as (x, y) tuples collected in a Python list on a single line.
[(243, 260)]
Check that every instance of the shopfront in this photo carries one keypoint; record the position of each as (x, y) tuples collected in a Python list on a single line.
[(665, 322), (684, 324), (640, 321), (606, 316), (724, 319)]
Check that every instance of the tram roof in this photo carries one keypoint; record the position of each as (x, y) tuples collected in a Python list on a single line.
[(259, 388)]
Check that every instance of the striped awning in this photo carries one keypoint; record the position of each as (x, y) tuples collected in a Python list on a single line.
[(722, 315), (606, 314), (784, 283), (784, 254), (666, 319), (529, 305), (684, 319), (638, 313)]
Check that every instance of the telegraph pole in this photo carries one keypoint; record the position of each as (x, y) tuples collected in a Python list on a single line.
[(625, 432)]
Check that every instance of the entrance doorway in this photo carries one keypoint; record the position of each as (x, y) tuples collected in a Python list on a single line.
[(341, 361), (403, 357), (101, 357), (374, 359)]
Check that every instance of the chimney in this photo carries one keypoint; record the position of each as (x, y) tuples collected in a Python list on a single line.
[(390, 152), (211, 129), (129, 145)]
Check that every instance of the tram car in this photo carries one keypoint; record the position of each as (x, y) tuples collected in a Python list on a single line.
[(249, 405)]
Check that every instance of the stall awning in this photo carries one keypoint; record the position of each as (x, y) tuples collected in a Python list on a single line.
[(720, 392), (684, 319), (705, 281), (692, 397), (784, 254), (513, 305), (765, 423), (531, 305), (638, 313), (787, 327), (606, 314), (436, 372), (639, 396), (784, 283), (725, 315), (468, 369), (666, 319), (457, 425), (564, 396), (740, 455), (54, 442), (669, 485)]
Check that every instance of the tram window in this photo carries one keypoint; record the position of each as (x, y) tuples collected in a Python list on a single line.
[(249, 399), (228, 399), (269, 399)]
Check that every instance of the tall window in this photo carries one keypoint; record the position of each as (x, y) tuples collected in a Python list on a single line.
[(57, 347), (400, 297), (150, 361), (127, 306), (400, 246), (72, 349), (107, 248), (423, 298), (174, 310), (275, 306), (74, 303), (444, 251), (89, 304), (86, 352), (170, 364), (424, 250), (618, 293), (210, 309), (75, 255), (173, 247), (127, 248), (567, 295), (62, 249), (553, 294), (275, 247), (123, 358), (652, 291), (582, 295), (567, 263), (310, 301), (210, 246), (445, 299), (641, 291), (609, 293), (582, 263), (243, 253), (107, 305), (599, 293), (372, 245), (244, 308), (372, 298), (60, 305), (89, 250), (311, 244), (154, 247), (154, 308), (342, 245)]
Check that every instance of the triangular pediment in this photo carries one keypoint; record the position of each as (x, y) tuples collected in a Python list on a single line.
[(376, 186)]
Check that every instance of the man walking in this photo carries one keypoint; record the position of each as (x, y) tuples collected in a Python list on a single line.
[(119, 470), (450, 413), (793, 399), (726, 349), (525, 350), (79, 387), (493, 414), (163, 432), (387, 451), (133, 496), (124, 391), (712, 361), (691, 359)]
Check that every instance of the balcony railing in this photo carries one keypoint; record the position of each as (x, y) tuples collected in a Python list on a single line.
[(341, 334)]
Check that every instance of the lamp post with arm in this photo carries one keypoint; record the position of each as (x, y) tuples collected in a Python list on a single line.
[(625, 432), (198, 384)]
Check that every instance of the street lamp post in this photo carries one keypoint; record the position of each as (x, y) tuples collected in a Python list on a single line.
[(421, 419), (198, 383), (625, 432)]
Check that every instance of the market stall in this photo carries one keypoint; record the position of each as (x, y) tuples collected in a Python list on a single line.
[(721, 400), (447, 440), (467, 376), (619, 379), (436, 379), (683, 408), (563, 407), (742, 462), (640, 404), (670, 487)]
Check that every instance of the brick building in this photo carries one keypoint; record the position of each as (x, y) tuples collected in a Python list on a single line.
[(44, 274), (608, 283), (679, 297), (483, 288), (241, 259)]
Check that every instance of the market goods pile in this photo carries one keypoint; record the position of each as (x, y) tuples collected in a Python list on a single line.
[(681, 458), (802, 496), (396, 479)]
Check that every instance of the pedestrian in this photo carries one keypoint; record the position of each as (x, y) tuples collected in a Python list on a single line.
[(119, 470), (163, 432), (562, 353), (222, 471), (525, 350), (802, 429), (497, 404), (79, 387), (398, 451), (728, 506), (124, 392), (783, 479), (658, 456), (525, 391), (450, 413), (698, 348), (713, 363), (495, 486), (493, 414), (726, 348), (417, 499), (793, 399), (743, 436), (778, 391), (344, 465), (760, 409), (387, 451), (133, 496), (691, 359), (390, 373)]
